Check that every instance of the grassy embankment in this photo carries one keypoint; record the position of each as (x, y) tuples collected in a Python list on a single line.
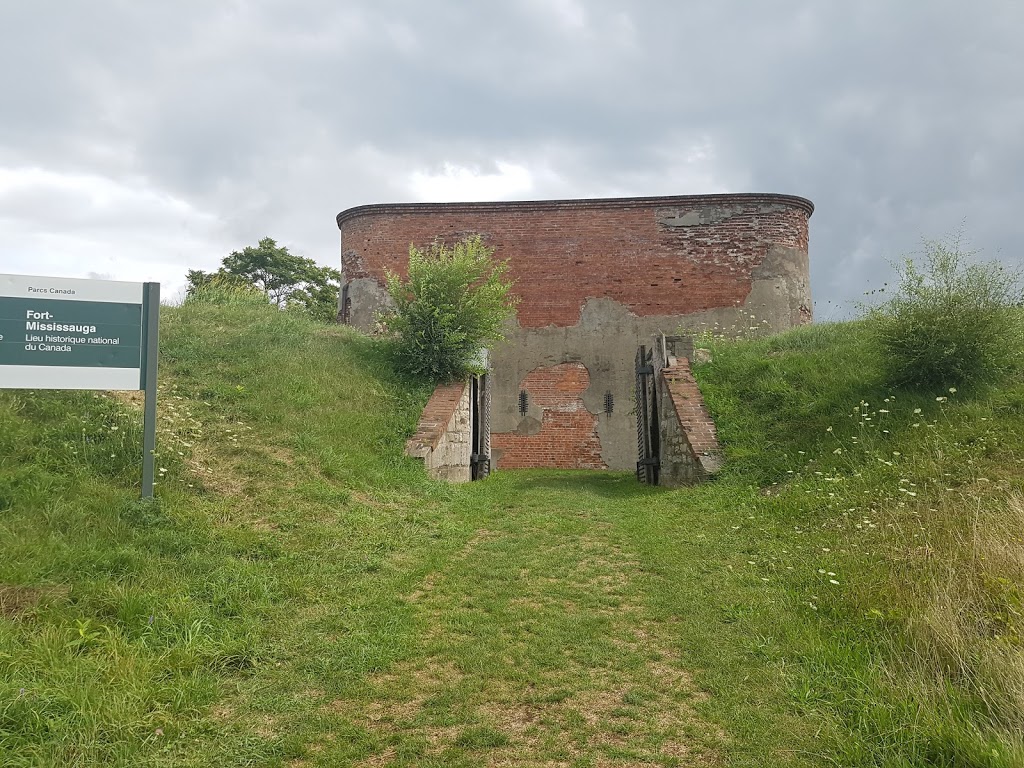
[(847, 593)]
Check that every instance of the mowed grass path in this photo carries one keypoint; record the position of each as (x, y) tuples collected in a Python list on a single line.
[(539, 618), (563, 630), (533, 632)]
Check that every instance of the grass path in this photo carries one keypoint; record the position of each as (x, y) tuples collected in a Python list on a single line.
[(541, 618), (534, 646)]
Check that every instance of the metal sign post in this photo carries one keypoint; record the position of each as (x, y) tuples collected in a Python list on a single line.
[(147, 380), (62, 333)]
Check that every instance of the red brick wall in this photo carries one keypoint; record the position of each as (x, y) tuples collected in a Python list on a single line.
[(568, 435), (565, 252)]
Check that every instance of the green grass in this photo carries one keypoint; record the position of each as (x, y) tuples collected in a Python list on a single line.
[(911, 500), (301, 595)]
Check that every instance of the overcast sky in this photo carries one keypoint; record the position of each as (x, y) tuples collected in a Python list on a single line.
[(139, 139)]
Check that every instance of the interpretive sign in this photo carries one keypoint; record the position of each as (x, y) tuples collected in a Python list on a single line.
[(58, 333), (63, 333)]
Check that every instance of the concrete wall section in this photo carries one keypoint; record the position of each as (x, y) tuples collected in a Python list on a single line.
[(365, 298), (443, 436), (604, 343)]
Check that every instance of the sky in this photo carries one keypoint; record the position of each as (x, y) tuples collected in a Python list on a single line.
[(142, 139)]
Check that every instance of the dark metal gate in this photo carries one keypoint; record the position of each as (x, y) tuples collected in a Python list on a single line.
[(647, 433), (480, 419)]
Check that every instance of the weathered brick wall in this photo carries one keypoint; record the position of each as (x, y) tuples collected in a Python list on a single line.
[(656, 256), (443, 437), (565, 434)]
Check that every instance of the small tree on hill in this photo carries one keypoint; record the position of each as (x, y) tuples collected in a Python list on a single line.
[(952, 320), (287, 280), (454, 303)]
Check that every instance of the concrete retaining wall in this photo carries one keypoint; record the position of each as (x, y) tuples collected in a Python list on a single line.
[(443, 436), (690, 452)]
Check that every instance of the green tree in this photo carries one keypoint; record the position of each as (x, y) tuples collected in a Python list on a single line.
[(287, 280), (953, 320), (455, 302)]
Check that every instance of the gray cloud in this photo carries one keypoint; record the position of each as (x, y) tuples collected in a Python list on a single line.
[(139, 139)]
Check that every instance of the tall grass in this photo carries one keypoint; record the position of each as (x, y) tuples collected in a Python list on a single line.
[(922, 488), (966, 618), (227, 292)]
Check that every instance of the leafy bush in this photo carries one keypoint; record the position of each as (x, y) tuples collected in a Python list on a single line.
[(454, 303), (952, 321)]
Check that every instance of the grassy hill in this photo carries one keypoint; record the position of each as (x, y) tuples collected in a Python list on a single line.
[(848, 593)]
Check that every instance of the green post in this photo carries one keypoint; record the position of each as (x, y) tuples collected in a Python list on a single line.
[(150, 349)]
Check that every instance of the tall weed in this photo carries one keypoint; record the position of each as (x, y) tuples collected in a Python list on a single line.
[(228, 292)]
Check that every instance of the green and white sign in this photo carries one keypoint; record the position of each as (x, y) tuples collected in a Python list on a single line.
[(60, 333)]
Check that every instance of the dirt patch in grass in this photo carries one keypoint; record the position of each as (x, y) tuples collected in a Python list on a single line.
[(379, 760), (131, 399), (398, 694), (226, 475), (221, 479), (16, 601)]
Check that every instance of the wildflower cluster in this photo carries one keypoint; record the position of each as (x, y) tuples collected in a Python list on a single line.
[(184, 424), (867, 485), (745, 326)]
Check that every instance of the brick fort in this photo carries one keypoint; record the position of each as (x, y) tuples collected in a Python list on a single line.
[(596, 279)]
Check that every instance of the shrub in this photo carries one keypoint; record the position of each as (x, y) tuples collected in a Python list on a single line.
[(455, 301), (952, 320)]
